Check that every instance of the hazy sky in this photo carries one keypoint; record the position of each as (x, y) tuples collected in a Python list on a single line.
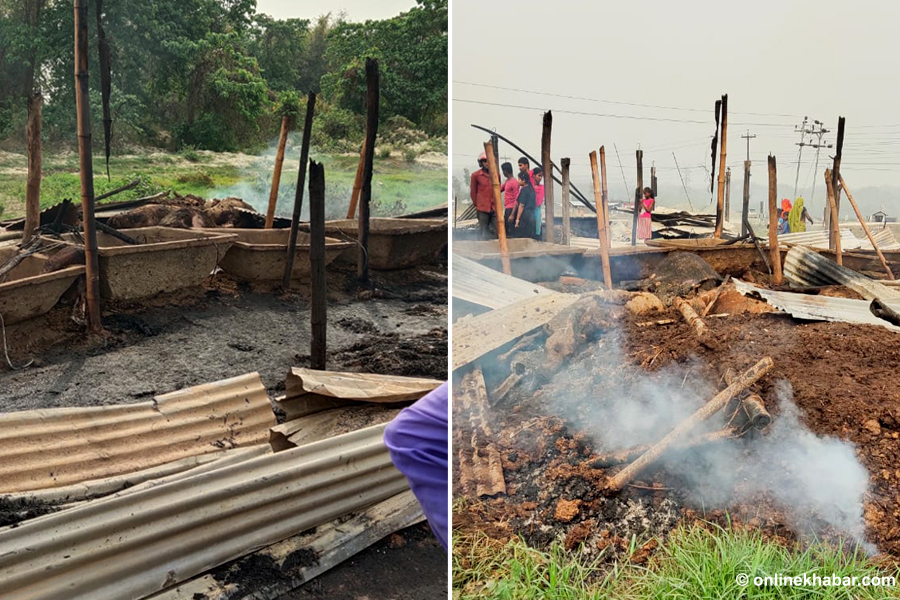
[(357, 10), (779, 59)]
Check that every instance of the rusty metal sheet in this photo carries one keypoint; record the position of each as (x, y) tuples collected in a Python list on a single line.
[(141, 543), (476, 283), (805, 267), (63, 446), (816, 308)]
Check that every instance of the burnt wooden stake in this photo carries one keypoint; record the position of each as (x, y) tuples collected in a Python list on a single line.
[(365, 198), (835, 183), (276, 174), (86, 166), (745, 207), (298, 193), (318, 312), (599, 200), (493, 170), (835, 222), (567, 225), (637, 197), (728, 195), (547, 167), (653, 180), (105, 82), (720, 197), (865, 227), (357, 182), (495, 144), (605, 195), (35, 160), (773, 223)]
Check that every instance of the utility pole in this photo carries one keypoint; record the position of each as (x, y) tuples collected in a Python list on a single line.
[(818, 131), (803, 131), (748, 137)]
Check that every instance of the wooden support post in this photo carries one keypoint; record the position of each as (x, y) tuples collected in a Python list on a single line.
[(653, 179), (727, 195), (567, 225), (35, 160), (602, 231), (745, 207), (637, 197), (86, 165), (298, 194), (318, 288), (494, 171), (495, 144), (365, 198), (720, 197), (835, 231), (605, 196), (547, 168), (777, 276), (105, 82), (745, 380), (865, 227), (276, 174), (835, 184), (357, 182)]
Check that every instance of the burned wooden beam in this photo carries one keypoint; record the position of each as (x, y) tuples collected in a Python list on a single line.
[(620, 457)]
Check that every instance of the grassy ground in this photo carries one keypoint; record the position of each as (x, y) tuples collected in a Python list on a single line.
[(398, 186), (695, 562)]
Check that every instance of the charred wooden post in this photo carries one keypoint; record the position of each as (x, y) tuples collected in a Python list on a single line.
[(105, 82), (720, 197), (745, 206), (620, 457), (835, 181), (365, 198), (653, 179), (639, 155), (298, 193), (86, 166), (566, 217), (604, 188), (728, 195), (757, 415), (276, 174), (495, 144), (835, 222), (547, 168), (691, 317), (602, 232), (745, 380), (865, 227), (773, 223), (35, 161), (318, 312), (498, 207), (357, 182)]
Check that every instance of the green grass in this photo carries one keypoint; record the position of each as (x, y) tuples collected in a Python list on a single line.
[(397, 186), (695, 562)]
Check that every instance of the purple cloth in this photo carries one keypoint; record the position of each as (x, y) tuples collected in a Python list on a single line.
[(417, 440)]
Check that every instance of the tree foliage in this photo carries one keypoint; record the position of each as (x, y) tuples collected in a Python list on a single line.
[(216, 74)]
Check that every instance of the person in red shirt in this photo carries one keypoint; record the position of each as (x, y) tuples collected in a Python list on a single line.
[(483, 198), (510, 189)]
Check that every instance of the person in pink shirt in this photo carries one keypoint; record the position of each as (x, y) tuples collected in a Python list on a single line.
[(510, 189), (538, 177), (648, 203)]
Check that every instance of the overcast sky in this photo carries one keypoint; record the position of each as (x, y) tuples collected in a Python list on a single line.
[(779, 59), (357, 10)]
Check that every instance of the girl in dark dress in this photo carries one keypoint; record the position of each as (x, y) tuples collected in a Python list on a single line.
[(522, 217)]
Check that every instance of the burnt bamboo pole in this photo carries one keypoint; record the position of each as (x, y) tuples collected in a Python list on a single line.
[(566, 217), (35, 161), (604, 186), (720, 197), (498, 207), (357, 182), (637, 197), (745, 380), (835, 180), (276, 174), (777, 276), (86, 166), (547, 168), (865, 227), (602, 231), (653, 179), (365, 197), (298, 193), (835, 223), (105, 82), (495, 144), (745, 205), (727, 195), (318, 312)]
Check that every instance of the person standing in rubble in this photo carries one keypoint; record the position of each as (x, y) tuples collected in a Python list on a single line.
[(645, 219), (798, 217), (510, 191), (483, 198), (523, 222), (538, 182)]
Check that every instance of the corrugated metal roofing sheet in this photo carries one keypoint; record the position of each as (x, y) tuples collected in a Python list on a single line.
[(817, 308), (805, 267), (818, 238), (476, 283), (140, 543), (57, 447)]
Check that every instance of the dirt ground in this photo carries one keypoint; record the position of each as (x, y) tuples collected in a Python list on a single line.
[(228, 329), (843, 379)]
